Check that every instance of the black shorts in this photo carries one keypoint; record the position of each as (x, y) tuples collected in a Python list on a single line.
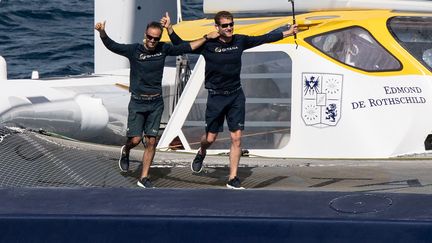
[(144, 117), (231, 107)]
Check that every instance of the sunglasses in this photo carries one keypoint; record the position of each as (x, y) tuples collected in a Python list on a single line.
[(226, 25), (149, 37)]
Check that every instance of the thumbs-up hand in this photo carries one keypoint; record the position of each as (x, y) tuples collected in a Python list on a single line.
[(166, 21), (100, 26)]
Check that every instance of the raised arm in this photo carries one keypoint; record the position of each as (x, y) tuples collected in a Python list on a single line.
[(166, 23), (100, 27), (121, 49)]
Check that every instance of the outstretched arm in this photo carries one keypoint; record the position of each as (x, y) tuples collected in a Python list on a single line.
[(198, 43), (176, 40), (189, 47), (292, 30), (252, 41)]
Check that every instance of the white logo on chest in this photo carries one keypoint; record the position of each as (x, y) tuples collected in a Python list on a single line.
[(144, 57), (220, 49)]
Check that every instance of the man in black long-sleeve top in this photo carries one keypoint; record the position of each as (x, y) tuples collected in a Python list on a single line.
[(146, 103), (222, 80)]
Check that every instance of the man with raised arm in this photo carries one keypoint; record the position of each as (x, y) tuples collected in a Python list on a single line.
[(146, 103), (222, 80)]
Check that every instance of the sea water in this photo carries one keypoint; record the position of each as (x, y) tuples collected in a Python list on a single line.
[(54, 37)]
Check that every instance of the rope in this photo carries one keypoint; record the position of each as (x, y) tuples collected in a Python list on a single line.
[(226, 138)]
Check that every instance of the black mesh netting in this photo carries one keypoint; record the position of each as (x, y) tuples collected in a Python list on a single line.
[(29, 159), (32, 159)]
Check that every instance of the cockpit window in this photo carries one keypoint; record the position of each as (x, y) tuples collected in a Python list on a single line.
[(427, 57), (415, 35), (354, 46)]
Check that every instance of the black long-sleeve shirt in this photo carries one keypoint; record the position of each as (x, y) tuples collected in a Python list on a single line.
[(223, 60), (146, 67)]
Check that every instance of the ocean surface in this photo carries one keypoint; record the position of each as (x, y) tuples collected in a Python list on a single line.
[(54, 37)]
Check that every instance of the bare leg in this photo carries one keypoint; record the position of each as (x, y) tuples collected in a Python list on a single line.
[(235, 153), (207, 140), (131, 143), (149, 153)]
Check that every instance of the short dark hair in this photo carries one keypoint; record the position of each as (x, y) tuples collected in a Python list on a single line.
[(222, 14), (155, 25)]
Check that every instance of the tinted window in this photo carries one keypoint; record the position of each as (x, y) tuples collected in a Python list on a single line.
[(355, 47), (415, 35)]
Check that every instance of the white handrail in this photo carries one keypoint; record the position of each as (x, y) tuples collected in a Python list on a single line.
[(3, 68), (179, 11)]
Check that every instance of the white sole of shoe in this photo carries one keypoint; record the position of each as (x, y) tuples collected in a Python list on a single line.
[(119, 161), (141, 185), (202, 165), (196, 171), (235, 188)]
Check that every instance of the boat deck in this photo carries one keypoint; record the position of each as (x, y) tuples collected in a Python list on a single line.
[(31, 159), (51, 187)]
